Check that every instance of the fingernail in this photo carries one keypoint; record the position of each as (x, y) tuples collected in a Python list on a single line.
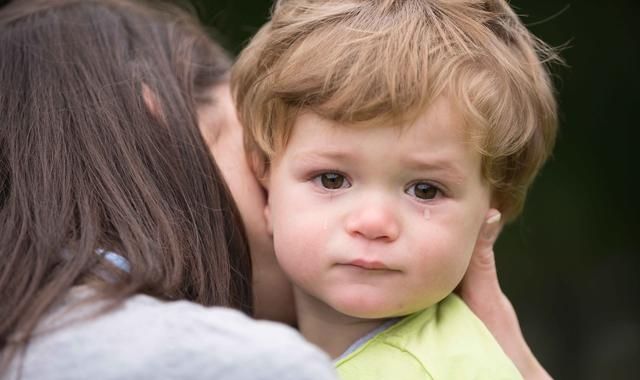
[(494, 216)]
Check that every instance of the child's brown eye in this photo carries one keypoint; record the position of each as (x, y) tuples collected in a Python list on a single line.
[(331, 181), (423, 190)]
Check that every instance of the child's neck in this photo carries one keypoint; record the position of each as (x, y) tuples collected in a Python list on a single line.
[(327, 328)]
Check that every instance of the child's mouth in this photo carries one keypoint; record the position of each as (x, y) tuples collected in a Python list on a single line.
[(369, 264)]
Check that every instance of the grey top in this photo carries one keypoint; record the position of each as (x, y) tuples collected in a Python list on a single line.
[(149, 339)]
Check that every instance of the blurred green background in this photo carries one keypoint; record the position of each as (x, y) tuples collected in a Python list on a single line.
[(570, 263)]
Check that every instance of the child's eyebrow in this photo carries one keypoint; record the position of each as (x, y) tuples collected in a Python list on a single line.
[(439, 165), (328, 154)]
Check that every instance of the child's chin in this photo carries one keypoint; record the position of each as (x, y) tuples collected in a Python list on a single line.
[(371, 309)]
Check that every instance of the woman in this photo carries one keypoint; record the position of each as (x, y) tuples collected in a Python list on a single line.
[(110, 206)]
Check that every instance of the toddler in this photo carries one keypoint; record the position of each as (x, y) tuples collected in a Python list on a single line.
[(387, 133)]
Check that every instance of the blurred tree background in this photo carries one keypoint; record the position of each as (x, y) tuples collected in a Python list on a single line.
[(570, 263)]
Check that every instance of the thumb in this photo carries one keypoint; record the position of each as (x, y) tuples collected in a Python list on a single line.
[(481, 277)]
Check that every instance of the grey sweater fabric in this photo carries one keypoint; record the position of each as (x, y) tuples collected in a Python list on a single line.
[(149, 339)]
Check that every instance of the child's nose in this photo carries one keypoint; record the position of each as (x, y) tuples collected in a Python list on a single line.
[(374, 221)]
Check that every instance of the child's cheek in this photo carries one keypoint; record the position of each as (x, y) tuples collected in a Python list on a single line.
[(445, 235), (298, 233)]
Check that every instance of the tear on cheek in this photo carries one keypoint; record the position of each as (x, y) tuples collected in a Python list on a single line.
[(426, 213)]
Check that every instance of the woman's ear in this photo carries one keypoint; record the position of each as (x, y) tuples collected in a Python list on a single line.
[(151, 101)]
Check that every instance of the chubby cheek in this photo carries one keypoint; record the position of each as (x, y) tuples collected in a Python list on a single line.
[(443, 265), (445, 245), (297, 239)]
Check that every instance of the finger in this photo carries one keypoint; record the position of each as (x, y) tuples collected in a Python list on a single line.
[(481, 274), (483, 252)]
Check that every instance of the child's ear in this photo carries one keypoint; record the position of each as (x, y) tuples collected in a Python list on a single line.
[(267, 217), (260, 169), (263, 178)]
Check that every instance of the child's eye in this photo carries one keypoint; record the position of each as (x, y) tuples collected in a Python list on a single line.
[(332, 181), (423, 190)]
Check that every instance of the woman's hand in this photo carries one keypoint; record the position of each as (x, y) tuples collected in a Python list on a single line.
[(481, 291)]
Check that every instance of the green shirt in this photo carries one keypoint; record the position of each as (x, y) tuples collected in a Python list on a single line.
[(444, 341)]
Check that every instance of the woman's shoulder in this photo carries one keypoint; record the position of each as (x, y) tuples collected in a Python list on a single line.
[(209, 325), (145, 337)]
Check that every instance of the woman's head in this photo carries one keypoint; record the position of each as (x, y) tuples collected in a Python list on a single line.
[(100, 149)]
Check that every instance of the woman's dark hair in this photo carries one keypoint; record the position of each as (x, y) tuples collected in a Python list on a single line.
[(100, 149)]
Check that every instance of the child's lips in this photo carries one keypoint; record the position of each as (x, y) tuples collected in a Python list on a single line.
[(369, 264)]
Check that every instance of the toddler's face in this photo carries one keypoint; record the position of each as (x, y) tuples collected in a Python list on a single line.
[(378, 221)]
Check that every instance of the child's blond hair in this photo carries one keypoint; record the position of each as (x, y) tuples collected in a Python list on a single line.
[(373, 61)]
